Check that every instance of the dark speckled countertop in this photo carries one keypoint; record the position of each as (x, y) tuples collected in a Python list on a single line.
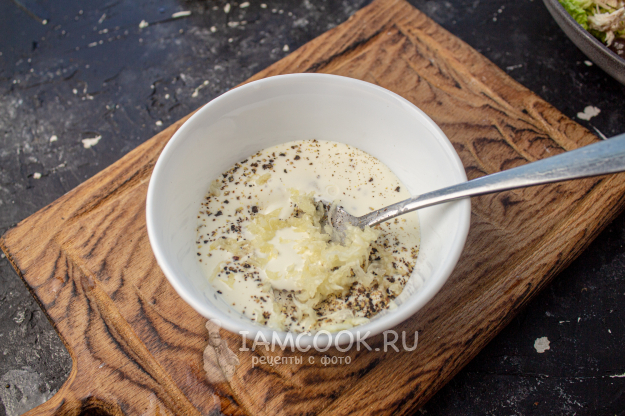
[(83, 90)]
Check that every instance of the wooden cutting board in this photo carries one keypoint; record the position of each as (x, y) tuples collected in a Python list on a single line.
[(137, 348)]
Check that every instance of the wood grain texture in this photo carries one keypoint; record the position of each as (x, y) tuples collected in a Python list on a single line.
[(137, 348)]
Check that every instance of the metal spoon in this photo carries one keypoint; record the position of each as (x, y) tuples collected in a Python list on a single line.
[(593, 160)]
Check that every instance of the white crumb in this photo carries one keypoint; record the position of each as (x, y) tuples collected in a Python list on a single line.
[(181, 14), (87, 143), (197, 90), (53, 138), (589, 112), (541, 344)]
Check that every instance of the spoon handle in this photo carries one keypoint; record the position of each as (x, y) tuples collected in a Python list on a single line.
[(596, 159)]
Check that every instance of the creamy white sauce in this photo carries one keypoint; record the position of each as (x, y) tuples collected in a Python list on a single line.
[(288, 261), (262, 185)]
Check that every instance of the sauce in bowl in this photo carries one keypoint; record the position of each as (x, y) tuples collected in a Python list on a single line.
[(261, 243)]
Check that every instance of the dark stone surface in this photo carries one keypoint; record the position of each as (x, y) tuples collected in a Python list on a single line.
[(91, 72)]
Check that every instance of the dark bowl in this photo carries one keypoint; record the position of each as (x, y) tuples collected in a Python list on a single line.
[(594, 49)]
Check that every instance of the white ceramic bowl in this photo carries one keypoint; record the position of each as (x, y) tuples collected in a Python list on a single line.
[(298, 107)]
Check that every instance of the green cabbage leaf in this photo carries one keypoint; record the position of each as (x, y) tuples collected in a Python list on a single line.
[(577, 9)]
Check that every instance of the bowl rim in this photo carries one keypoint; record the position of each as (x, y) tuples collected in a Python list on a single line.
[(251, 330)]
